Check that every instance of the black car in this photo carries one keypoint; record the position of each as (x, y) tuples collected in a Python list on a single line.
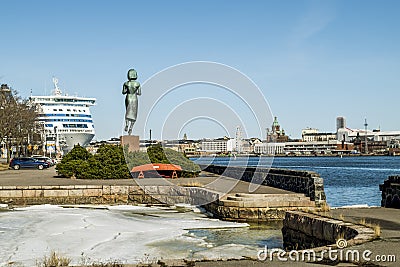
[(25, 162)]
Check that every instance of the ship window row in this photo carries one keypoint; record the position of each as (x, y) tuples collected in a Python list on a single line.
[(72, 120), (73, 100), (70, 105), (65, 115), (50, 133), (75, 126), (74, 110)]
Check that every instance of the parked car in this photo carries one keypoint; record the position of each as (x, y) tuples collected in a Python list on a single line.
[(25, 162), (45, 159)]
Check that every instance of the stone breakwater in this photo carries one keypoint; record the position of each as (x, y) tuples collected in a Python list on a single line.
[(239, 207), (305, 182), (257, 207), (104, 194), (304, 231), (391, 192)]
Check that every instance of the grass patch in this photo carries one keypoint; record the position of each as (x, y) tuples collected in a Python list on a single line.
[(106, 264), (374, 226), (54, 260), (324, 207), (377, 229), (3, 166), (340, 236)]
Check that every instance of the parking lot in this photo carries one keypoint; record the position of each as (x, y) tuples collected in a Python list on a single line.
[(26, 177)]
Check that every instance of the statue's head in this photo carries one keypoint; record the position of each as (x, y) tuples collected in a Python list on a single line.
[(132, 74)]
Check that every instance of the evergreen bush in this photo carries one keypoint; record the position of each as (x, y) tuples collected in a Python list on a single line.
[(109, 162)]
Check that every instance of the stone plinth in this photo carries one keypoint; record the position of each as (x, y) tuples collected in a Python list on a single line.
[(132, 141)]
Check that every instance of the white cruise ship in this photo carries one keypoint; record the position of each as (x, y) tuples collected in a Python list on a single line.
[(67, 119)]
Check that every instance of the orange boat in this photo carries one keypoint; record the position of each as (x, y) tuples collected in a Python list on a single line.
[(157, 170)]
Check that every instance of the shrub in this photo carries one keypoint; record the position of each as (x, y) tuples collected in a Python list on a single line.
[(111, 162), (158, 154), (107, 163), (75, 163)]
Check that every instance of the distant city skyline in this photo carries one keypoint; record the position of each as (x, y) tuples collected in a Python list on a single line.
[(312, 60)]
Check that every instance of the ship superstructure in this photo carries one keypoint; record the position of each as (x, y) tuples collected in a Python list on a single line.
[(67, 119)]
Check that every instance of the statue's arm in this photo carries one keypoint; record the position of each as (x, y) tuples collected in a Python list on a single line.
[(124, 89), (139, 90)]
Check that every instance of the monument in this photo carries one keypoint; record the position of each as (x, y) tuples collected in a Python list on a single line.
[(132, 90)]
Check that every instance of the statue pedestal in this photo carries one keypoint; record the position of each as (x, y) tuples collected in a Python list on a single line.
[(132, 141)]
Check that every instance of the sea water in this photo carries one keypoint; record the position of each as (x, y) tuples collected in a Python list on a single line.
[(347, 180), (129, 234)]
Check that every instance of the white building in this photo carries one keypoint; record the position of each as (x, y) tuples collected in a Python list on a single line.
[(316, 147), (349, 135), (312, 135), (269, 148), (231, 145), (214, 146)]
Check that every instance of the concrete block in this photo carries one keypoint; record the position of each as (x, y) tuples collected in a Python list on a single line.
[(55, 193), (94, 187), (93, 192), (31, 193), (22, 187), (267, 214), (231, 203), (50, 187), (9, 187), (80, 186), (134, 189), (10, 193), (248, 213), (67, 187), (75, 192), (119, 189), (226, 212), (111, 199), (122, 199), (106, 189), (153, 190), (35, 187)]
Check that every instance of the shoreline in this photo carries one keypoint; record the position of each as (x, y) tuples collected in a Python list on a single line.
[(292, 156), (386, 244)]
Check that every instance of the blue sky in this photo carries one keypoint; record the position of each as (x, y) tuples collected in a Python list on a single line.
[(312, 60)]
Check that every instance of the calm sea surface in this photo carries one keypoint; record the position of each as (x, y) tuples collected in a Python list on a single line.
[(347, 180)]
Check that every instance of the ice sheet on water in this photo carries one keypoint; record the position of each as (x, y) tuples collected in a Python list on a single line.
[(130, 207), (40, 207), (125, 233)]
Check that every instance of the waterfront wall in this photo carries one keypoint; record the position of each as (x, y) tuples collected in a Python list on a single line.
[(104, 194), (247, 214), (306, 182), (134, 194), (304, 231), (391, 192)]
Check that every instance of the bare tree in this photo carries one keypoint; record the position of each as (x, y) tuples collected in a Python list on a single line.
[(18, 121)]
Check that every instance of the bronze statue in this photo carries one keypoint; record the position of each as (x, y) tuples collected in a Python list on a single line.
[(132, 89)]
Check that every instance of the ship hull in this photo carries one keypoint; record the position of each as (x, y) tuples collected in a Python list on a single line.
[(72, 139)]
